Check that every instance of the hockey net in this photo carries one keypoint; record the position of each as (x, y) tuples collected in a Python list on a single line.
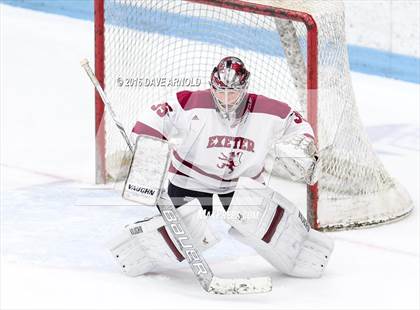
[(296, 53)]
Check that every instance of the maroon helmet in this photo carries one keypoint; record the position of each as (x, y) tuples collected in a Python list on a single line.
[(229, 84)]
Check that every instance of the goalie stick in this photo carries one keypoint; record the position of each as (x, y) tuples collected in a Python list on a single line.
[(176, 226)]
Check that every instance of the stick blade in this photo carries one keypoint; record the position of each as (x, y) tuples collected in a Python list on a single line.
[(240, 286)]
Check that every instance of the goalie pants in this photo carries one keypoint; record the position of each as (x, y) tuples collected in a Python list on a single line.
[(181, 196)]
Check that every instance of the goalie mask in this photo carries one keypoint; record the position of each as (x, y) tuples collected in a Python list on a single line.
[(229, 84)]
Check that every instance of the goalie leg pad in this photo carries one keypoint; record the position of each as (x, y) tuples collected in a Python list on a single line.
[(147, 245), (274, 227), (314, 255), (135, 248)]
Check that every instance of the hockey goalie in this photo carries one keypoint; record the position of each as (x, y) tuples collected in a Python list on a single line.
[(223, 135)]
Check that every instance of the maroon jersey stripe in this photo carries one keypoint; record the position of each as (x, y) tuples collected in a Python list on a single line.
[(261, 104), (143, 129), (198, 170), (309, 136), (172, 169), (201, 99), (258, 175)]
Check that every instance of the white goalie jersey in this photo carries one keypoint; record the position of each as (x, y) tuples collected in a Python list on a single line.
[(211, 155)]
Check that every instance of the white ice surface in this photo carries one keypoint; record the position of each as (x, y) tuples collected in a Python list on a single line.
[(54, 223)]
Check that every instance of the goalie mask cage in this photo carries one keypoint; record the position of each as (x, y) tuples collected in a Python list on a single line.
[(296, 53)]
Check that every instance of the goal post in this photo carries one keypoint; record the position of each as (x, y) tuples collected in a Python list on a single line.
[(296, 53), (100, 162)]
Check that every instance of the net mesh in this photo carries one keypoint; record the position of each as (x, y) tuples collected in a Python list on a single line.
[(155, 48)]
